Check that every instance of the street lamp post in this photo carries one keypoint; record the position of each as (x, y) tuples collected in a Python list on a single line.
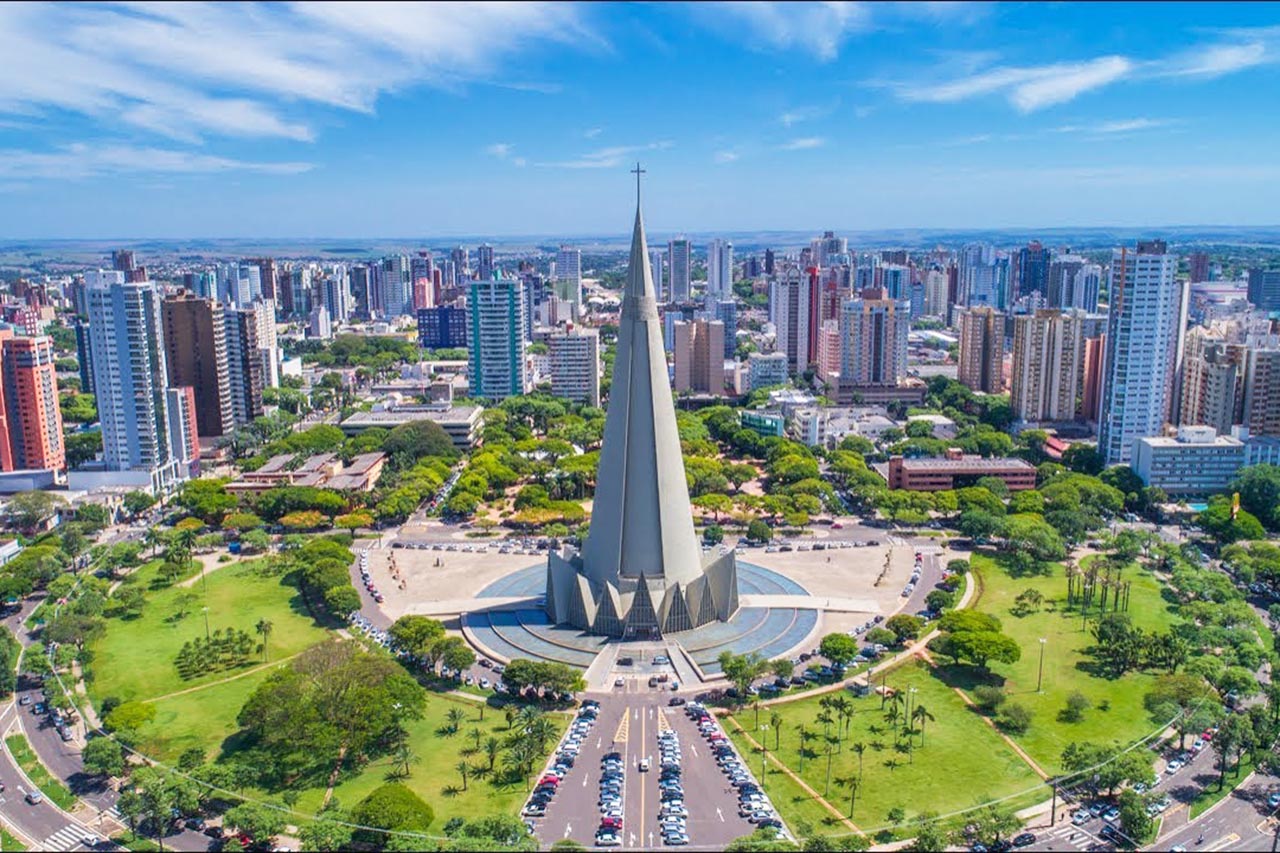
[(1040, 672), (206, 622), (764, 752)]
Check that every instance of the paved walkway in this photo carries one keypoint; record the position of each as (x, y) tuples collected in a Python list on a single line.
[(208, 684)]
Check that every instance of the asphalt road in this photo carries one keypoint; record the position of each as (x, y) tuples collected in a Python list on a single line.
[(1243, 821), (628, 723)]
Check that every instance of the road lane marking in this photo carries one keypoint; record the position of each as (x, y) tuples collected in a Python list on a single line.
[(1223, 843), (663, 724), (624, 728), (642, 785), (720, 815)]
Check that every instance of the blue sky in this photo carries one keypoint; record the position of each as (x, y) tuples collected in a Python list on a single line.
[(191, 120)]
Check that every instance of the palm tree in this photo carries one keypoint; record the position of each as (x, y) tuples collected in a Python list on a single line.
[(804, 745), (850, 782), (831, 745), (154, 538), (463, 769), (542, 731), (527, 716), (921, 713), (263, 628), (824, 717), (405, 757), (859, 748), (492, 747), (755, 706), (475, 733), (775, 720), (455, 718), (510, 712)]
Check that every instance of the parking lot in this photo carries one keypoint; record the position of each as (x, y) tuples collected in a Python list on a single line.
[(644, 776)]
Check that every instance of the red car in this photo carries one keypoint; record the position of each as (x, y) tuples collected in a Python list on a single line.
[(611, 823), (549, 780)]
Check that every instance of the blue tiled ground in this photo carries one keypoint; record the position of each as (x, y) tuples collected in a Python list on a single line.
[(768, 632)]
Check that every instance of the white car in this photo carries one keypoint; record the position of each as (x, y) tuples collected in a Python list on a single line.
[(608, 841)]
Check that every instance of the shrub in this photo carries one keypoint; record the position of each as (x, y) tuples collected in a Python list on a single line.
[(1014, 718), (1077, 704), (988, 697)]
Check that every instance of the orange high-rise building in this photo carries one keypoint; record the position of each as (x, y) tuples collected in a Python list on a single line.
[(33, 420)]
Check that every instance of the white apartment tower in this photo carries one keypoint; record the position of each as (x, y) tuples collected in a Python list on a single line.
[(719, 268), (789, 313), (575, 365), (131, 377), (1144, 347)]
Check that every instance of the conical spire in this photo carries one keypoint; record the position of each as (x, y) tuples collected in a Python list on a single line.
[(641, 520)]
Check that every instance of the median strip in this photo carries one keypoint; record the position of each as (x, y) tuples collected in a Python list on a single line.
[(26, 760)]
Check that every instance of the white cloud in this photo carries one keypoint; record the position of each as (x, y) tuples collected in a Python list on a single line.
[(592, 132), (818, 28), (1219, 59), (800, 114), (501, 150), (725, 156), (821, 28), (605, 158), (803, 144), (187, 70), (1115, 126), (1028, 88), (85, 161)]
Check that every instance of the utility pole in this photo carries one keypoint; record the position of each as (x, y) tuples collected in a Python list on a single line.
[(1040, 673)]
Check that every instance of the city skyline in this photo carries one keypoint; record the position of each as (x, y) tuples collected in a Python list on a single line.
[(229, 121)]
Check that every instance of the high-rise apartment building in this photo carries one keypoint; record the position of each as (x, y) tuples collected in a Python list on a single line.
[(935, 293), (574, 355), (1144, 347), (982, 350), (830, 350), (1198, 266), (319, 324), (1264, 289), (496, 339), (1047, 380), (569, 275), (195, 351), (659, 283), (335, 293), (130, 377), (247, 363), (895, 279), (726, 311), (822, 249), (1212, 388), (789, 311), (719, 269), (679, 269), (484, 262), (442, 327), (874, 329), (32, 417), (1095, 357), (1261, 408), (699, 356), (395, 289), (1031, 271)]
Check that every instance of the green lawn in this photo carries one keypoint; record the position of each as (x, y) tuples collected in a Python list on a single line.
[(36, 772), (9, 842), (963, 762), (1066, 666), (433, 778), (135, 657), (203, 718), (1209, 795), (129, 841)]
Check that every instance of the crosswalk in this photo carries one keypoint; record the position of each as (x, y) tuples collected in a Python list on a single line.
[(1072, 836), (70, 837)]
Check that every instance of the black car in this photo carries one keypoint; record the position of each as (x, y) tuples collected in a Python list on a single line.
[(675, 701), (214, 831), (1024, 839)]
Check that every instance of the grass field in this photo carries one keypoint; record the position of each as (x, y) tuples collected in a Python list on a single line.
[(9, 842), (203, 718), (1117, 712), (434, 778), (135, 657), (50, 787), (963, 761)]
